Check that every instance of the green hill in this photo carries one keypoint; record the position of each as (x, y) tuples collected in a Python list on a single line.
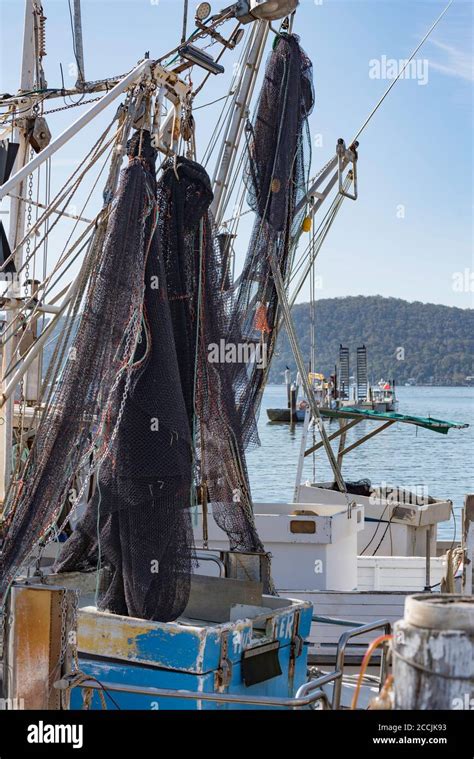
[(429, 343)]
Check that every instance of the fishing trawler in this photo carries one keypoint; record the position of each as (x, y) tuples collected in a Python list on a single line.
[(133, 432)]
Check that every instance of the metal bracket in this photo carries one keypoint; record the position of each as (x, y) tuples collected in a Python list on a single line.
[(223, 675), (296, 644), (347, 156)]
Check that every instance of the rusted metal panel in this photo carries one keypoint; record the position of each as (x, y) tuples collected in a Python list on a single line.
[(38, 649)]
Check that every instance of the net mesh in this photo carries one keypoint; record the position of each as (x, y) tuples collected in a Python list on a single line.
[(108, 306), (276, 172), (162, 384)]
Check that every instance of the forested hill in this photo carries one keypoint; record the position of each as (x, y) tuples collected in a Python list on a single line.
[(428, 343)]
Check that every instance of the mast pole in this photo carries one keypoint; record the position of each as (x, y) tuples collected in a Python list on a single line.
[(78, 46), (237, 117), (16, 234)]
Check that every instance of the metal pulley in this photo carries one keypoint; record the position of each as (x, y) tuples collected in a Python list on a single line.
[(187, 125), (39, 135)]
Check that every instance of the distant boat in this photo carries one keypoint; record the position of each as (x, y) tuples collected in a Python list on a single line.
[(381, 397)]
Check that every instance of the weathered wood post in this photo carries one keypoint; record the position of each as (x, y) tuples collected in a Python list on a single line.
[(433, 651), (41, 630), (293, 403), (468, 544)]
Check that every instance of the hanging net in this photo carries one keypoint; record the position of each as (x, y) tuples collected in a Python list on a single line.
[(276, 173), (108, 307), (159, 393)]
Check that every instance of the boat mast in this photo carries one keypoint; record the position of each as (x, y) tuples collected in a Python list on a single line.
[(78, 47), (236, 120), (16, 234)]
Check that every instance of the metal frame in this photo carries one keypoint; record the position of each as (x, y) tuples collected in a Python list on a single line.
[(383, 624), (335, 435), (203, 556), (16, 234), (346, 157), (147, 66), (235, 124), (301, 699), (337, 675)]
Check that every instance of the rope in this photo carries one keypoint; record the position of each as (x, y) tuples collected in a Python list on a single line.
[(81, 677), (392, 84)]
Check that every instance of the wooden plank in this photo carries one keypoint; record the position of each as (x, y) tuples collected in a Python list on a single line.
[(366, 437), (36, 656), (343, 428)]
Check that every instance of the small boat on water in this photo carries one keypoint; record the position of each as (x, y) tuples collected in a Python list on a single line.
[(381, 397)]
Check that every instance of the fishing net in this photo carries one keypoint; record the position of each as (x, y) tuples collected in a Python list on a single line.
[(179, 424), (159, 392), (108, 308), (138, 523), (276, 173), (201, 308)]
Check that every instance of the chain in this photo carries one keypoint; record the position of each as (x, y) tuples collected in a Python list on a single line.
[(22, 403), (29, 213), (64, 638), (73, 105), (15, 119), (68, 638)]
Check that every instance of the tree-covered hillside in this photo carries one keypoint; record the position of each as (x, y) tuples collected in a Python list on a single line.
[(428, 343)]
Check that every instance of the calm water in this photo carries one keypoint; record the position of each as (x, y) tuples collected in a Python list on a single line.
[(401, 455)]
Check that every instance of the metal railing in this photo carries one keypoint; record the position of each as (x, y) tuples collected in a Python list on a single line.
[(307, 694), (357, 628), (202, 556), (313, 695), (383, 624)]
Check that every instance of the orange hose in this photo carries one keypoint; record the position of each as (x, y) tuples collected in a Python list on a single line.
[(365, 661)]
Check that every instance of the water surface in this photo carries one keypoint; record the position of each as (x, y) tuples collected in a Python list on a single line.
[(401, 455)]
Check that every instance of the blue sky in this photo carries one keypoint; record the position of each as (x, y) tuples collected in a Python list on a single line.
[(410, 232)]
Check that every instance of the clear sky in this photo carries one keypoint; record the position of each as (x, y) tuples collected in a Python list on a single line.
[(410, 233)]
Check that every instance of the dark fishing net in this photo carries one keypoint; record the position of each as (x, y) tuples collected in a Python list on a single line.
[(179, 425), (108, 308), (138, 524), (150, 392), (203, 308), (276, 172)]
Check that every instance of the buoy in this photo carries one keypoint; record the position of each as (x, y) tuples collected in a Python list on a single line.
[(433, 653), (307, 224)]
